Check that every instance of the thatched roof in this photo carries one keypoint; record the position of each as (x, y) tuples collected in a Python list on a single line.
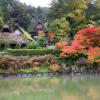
[(8, 37), (12, 38), (24, 33)]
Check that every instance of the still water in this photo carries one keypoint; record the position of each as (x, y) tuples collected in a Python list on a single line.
[(50, 88)]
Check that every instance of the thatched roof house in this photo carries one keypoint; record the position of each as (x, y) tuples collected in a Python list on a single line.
[(7, 37), (39, 27)]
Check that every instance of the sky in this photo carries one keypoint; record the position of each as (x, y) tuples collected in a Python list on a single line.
[(36, 3)]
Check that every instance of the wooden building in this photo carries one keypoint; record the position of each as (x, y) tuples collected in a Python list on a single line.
[(39, 30)]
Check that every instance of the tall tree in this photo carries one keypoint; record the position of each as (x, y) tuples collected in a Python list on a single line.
[(73, 8), (93, 11), (6, 7)]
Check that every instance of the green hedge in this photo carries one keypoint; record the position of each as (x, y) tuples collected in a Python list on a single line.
[(31, 52)]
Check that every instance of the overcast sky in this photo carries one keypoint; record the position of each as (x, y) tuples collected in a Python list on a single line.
[(36, 3)]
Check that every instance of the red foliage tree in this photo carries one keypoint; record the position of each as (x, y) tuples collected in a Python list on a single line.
[(87, 42)]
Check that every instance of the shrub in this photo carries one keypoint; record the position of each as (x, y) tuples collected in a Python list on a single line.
[(37, 52), (33, 45), (42, 41), (82, 41), (23, 62), (60, 44), (88, 36), (35, 69), (54, 68), (18, 46), (93, 54), (86, 44), (73, 50)]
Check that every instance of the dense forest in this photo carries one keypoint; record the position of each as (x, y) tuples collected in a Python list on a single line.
[(11, 10), (62, 16), (68, 16)]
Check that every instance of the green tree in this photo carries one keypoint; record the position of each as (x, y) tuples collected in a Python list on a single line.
[(59, 26), (93, 12), (72, 10), (6, 7), (1, 21)]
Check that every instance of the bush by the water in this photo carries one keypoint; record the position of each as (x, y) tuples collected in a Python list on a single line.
[(33, 45), (84, 51), (42, 41), (20, 62), (26, 64)]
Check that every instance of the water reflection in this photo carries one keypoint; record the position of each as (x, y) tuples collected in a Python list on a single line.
[(50, 88)]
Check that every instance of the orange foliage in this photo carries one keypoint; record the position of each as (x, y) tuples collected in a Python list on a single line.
[(89, 30), (93, 53), (51, 35), (74, 49), (88, 36), (83, 43), (60, 44)]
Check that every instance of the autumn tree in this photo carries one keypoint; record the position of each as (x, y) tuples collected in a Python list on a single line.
[(72, 10)]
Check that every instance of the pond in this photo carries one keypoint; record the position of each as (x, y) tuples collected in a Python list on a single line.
[(50, 88)]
